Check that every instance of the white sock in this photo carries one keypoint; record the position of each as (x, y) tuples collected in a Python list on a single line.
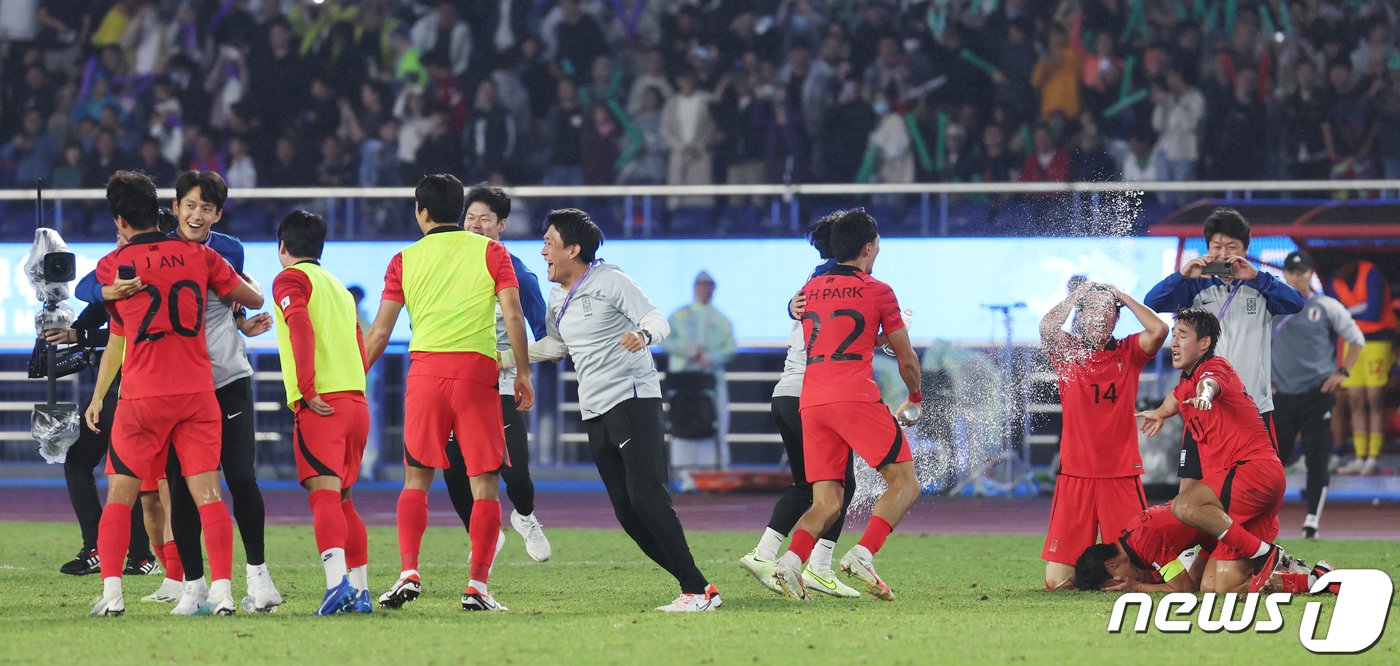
[(480, 586), (111, 587), (821, 555), (220, 589), (359, 578), (198, 583), (409, 572), (769, 543), (862, 552), (254, 569), (333, 560), (1264, 547), (791, 559), (1310, 521)]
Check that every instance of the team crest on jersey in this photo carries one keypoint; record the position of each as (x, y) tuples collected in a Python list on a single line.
[(1251, 305), (1314, 314), (587, 304)]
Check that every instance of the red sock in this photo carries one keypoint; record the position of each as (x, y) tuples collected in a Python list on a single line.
[(218, 539), (327, 519), (1241, 540), (875, 534), (113, 537), (485, 530), (170, 559), (356, 542), (802, 544), (413, 521)]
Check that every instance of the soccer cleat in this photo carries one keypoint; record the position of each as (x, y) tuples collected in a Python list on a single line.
[(194, 594), (689, 603), (1264, 566), (1322, 568), (263, 596), (1353, 467), (407, 589), (826, 582), (1369, 467), (788, 578), (338, 599), (713, 593), (362, 604), (167, 593), (220, 606), (85, 563), (864, 570), (532, 531), (143, 568), (113, 606), (480, 601), (761, 570)]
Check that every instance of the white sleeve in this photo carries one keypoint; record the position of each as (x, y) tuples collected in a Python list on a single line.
[(547, 349), (1344, 324)]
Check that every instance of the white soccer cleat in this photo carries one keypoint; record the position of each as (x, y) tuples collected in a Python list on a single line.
[(761, 570), (1369, 467), (222, 606), (109, 606), (263, 596), (826, 582), (408, 587), (481, 601), (788, 578), (1353, 467), (863, 568), (194, 594), (690, 603), (167, 593), (532, 531)]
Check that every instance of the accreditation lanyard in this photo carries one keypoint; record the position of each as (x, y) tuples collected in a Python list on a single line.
[(570, 297)]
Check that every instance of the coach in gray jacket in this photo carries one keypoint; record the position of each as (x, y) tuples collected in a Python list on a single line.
[(1306, 377)]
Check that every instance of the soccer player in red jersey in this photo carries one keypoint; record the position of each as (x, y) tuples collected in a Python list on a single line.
[(1242, 479), (845, 311), (451, 281), (323, 369), (167, 398), (1146, 556), (1099, 487)]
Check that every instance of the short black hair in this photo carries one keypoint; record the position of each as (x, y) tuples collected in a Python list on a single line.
[(303, 234), (356, 292), (212, 188), (494, 197), (166, 220), (1229, 222), (819, 234), (1203, 322), (851, 231), (1090, 572), (1098, 288), (132, 197), (442, 195), (575, 227)]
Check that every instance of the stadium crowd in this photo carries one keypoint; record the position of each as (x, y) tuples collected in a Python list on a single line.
[(378, 92)]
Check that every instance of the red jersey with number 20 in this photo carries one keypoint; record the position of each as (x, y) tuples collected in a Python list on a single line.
[(1232, 430), (1098, 393), (846, 311), (166, 353)]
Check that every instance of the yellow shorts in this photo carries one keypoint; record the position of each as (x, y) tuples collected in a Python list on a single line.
[(1372, 367)]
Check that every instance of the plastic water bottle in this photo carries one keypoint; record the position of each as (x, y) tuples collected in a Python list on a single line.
[(910, 414), (908, 317)]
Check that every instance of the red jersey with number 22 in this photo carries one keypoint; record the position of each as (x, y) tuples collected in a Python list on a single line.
[(846, 311), (166, 353), (1098, 393), (1232, 430)]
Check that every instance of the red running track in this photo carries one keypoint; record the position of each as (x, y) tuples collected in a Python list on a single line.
[(932, 515)]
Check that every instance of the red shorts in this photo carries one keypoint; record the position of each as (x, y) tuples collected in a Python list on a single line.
[(145, 429), (831, 432), (332, 445), (1086, 510), (437, 407), (1252, 493)]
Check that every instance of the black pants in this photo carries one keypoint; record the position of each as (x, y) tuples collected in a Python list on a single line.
[(628, 446), (83, 456), (520, 488), (1189, 467), (798, 496), (1308, 414), (238, 464)]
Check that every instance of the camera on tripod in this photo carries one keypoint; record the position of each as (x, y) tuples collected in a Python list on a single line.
[(66, 362)]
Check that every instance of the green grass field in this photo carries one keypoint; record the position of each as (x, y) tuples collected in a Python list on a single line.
[(961, 600)]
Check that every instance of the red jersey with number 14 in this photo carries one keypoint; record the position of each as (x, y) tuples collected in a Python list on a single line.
[(1098, 393), (166, 353), (1232, 430), (846, 311)]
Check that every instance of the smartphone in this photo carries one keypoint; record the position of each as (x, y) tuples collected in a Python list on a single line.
[(126, 272), (1218, 269)]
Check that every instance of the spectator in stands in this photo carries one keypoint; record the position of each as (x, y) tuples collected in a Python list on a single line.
[(287, 167), (744, 118), (1387, 112), (894, 150), (649, 165), (702, 341), (1090, 162), (690, 132), (1349, 131), (276, 72), (1015, 61), (104, 160), (601, 147), (32, 151), (565, 127), (808, 83), (537, 75), (1303, 113), (1140, 163), (69, 174), (379, 157), (652, 76), (1370, 58), (578, 36), (994, 164), (1057, 73), (845, 136), (445, 92), (446, 37), (1176, 117), (1239, 133), (153, 164), (337, 166), (491, 136), (441, 149), (1049, 163), (785, 144)]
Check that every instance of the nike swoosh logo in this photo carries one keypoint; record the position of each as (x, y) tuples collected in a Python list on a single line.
[(507, 427), (829, 586), (232, 416), (624, 442)]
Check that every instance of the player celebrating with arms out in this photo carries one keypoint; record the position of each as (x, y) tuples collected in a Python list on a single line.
[(1099, 486), (1242, 479), (845, 311), (323, 370), (167, 400)]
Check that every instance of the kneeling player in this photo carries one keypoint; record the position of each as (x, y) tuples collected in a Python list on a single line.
[(323, 369)]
